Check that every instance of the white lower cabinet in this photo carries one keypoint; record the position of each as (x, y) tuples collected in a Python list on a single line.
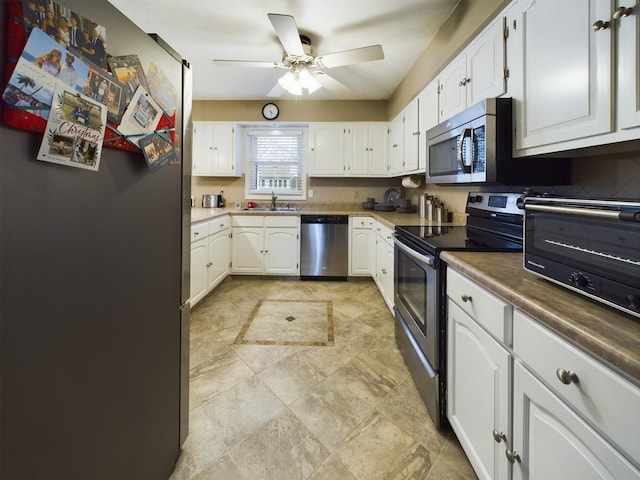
[(384, 264), (210, 251), (362, 246), (525, 403), (266, 245), (478, 375), (550, 441), (568, 405)]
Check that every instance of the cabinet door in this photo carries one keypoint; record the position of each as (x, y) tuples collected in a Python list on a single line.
[(411, 134), (452, 96), (552, 442), (428, 118), (247, 250), (377, 149), (362, 254), (219, 249), (281, 251), (326, 149), (203, 152), (223, 158), (199, 268), (566, 92), (395, 146), (485, 64), (629, 65), (389, 292), (356, 148), (478, 393)]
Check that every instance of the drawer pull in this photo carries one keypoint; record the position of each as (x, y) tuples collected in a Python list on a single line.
[(195, 234), (512, 456), (466, 298), (567, 376), (499, 436)]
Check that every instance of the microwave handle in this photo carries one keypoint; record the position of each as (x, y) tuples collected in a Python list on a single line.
[(587, 212), (466, 132)]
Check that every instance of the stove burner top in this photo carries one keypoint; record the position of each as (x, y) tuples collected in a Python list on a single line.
[(494, 224)]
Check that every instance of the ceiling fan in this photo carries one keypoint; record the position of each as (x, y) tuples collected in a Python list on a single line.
[(306, 69)]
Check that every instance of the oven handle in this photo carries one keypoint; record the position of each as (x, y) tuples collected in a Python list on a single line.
[(412, 253), (587, 212)]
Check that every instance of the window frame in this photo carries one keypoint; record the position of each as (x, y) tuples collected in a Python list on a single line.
[(247, 131)]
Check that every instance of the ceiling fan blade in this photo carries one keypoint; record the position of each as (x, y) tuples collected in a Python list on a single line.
[(276, 91), (348, 57), (246, 63), (287, 31), (331, 84)]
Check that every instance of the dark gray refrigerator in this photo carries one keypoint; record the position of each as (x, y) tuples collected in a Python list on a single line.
[(94, 283)]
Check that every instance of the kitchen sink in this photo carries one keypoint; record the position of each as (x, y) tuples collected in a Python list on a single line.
[(267, 209)]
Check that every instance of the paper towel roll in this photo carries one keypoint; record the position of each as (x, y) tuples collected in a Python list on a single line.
[(411, 181)]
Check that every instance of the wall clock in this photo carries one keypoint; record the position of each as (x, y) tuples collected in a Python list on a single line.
[(270, 111)]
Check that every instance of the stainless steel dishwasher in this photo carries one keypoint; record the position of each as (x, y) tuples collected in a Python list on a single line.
[(324, 244)]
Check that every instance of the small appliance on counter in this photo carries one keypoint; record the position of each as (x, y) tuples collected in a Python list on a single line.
[(589, 246), (213, 200)]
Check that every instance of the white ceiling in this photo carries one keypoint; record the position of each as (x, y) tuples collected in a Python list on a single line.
[(201, 30)]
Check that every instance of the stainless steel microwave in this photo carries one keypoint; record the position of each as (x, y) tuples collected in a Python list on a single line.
[(475, 147)]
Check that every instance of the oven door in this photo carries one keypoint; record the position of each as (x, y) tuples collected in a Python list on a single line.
[(416, 288)]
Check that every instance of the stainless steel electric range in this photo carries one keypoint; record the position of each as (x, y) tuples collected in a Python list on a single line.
[(494, 223)]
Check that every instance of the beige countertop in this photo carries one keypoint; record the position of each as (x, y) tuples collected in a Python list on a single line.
[(390, 219), (602, 331)]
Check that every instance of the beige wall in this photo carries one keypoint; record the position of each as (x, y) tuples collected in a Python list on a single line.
[(292, 111)]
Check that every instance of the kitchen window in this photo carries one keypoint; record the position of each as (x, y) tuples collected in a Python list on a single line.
[(276, 162)]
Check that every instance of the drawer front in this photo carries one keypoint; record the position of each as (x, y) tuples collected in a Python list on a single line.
[(601, 396), (363, 222), (491, 312), (219, 224), (199, 230), (385, 232), (285, 221), (247, 220)]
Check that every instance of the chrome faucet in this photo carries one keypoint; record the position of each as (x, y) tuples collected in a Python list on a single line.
[(274, 197)]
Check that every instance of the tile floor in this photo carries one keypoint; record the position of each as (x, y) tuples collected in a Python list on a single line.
[(348, 411)]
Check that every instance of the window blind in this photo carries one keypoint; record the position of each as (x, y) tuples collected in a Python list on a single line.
[(276, 162)]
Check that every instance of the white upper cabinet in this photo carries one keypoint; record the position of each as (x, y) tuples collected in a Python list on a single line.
[(348, 149), (213, 150), (428, 118), (411, 137), (394, 146), (476, 74), (566, 71), (326, 149), (627, 18)]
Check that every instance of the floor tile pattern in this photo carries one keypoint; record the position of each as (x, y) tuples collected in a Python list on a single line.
[(289, 322), (347, 411)]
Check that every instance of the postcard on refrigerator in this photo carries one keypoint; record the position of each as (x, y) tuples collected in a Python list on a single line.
[(141, 116), (75, 130)]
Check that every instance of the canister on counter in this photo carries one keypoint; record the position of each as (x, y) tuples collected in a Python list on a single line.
[(421, 206), (429, 208)]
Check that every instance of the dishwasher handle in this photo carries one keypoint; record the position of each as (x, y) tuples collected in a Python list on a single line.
[(325, 219)]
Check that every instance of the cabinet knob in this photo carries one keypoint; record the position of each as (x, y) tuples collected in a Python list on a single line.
[(499, 436), (621, 12), (600, 25), (567, 376), (195, 234), (466, 298), (384, 270), (512, 456)]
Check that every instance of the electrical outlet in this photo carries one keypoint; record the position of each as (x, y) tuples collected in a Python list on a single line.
[(356, 194), (310, 193)]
